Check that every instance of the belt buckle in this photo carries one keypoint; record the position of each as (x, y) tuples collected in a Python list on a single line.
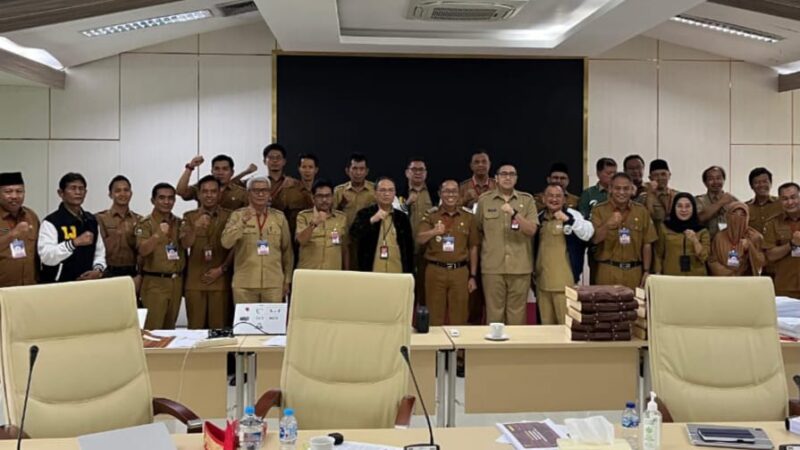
[(173, 276), (625, 266), (452, 266)]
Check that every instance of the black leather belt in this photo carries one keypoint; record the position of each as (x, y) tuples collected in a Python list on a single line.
[(622, 265), (449, 266), (120, 271), (161, 275)]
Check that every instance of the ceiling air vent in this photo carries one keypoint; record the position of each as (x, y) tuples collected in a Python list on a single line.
[(236, 8), (464, 10)]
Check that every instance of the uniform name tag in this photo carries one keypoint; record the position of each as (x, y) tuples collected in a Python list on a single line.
[(722, 225), (262, 248), (335, 238), (449, 244), (172, 252), (624, 236), (17, 249), (514, 224), (384, 251), (208, 254), (733, 259)]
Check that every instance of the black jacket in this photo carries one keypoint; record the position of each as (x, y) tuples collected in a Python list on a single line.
[(69, 227), (367, 234)]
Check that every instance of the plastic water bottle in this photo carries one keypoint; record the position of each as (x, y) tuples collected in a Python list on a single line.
[(288, 429), (651, 425), (251, 430), (630, 425)]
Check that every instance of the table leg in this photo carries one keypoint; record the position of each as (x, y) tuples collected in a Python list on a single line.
[(239, 389), (441, 395), (251, 379), (451, 388)]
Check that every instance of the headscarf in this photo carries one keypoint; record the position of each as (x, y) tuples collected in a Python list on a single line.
[(731, 238), (677, 225)]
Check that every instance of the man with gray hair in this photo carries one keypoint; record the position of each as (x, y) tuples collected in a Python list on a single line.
[(262, 244)]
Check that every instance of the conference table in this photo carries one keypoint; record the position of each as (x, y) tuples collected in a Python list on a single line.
[(673, 437), (428, 352), (539, 368), (196, 377)]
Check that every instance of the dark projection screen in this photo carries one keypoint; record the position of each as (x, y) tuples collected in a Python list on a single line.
[(525, 111)]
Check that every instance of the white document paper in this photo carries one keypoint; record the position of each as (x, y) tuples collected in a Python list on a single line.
[(183, 338), (276, 341), (142, 313), (362, 446)]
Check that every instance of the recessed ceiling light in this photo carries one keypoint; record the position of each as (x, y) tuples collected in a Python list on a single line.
[(148, 23), (729, 28)]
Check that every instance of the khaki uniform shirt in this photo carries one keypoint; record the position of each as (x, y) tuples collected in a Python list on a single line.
[(553, 270), (417, 211), (388, 237), (295, 198), (636, 220), (21, 271), (661, 206), (503, 250), (232, 196), (717, 222), (460, 225), (779, 231), (761, 214), (471, 190), (277, 188), (351, 201), (207, 251), (254, 271), (671, 246), (321, 251), (157, 261), (572, 201), (118, 237)]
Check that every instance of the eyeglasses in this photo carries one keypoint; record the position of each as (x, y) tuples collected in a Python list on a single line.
[(507, 174), (260, 191), (385, 190), (275, 157)]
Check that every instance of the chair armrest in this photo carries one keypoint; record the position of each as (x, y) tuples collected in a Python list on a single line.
[(666, 417), (10, 432), (403, 418), (794, 407), (166, 406), (270, 398)]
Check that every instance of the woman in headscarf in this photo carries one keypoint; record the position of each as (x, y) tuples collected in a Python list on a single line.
[(683, 244), (736, 250)]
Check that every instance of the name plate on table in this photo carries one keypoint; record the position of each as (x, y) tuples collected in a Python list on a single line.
[(260, 318)]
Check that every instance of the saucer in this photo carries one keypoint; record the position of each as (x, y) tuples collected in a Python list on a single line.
[(504, 337)]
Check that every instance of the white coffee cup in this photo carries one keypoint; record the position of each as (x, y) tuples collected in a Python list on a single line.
[(497, 329), (321, 443)]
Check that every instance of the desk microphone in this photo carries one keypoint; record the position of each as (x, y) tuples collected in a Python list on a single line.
[(432, 445), (34, 352)]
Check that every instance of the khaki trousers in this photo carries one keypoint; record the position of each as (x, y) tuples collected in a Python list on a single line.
[(552, 306), (268, 295), (162, 298), (207, 309), (446, 293), (608, 274), (506, 297)]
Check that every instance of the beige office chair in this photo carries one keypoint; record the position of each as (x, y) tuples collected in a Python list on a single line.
[(714, 349), (91, 374), (342, 366)]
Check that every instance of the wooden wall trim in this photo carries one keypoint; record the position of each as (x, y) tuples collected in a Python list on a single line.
[(31, 70)]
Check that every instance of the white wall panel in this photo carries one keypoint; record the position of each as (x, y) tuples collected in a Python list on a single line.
[(672, 51), (622, 110), (759, 113), (159, 124), (30, 158), (252, 39), (796, 159), (24, 112), (796, 117), (97, 161), (88, 106), (639, 47), (694, 119), (235, 107), (186, 44), (744, 158)]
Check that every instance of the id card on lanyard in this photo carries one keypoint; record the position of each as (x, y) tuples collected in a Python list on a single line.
[(18, 249), (262, 245)]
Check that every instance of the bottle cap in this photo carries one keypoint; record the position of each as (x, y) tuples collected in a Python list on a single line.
[(288, 412), (651, 405), (249, 410), (630, 405)]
